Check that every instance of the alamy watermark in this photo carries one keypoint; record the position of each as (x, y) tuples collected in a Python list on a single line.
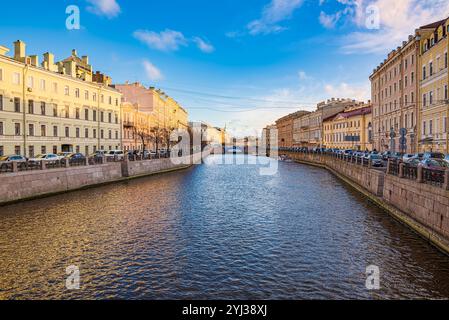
[(73, 21), (373, 278), (72, 282)]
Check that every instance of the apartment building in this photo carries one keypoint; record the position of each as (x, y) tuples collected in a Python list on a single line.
[(350, 129), (53, 107), (284, 126), (308, 128), (433, 86), (394, 95)]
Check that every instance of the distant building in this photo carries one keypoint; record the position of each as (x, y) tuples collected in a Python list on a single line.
[(350, 129), (284, 126)]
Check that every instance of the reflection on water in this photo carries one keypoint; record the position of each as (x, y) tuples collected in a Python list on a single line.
[(215, 231)]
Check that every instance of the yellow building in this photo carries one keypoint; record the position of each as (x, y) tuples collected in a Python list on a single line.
[(53, 107), (351, 129), (433, 86)]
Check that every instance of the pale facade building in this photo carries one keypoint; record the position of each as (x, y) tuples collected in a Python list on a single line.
[(433, 86), (55, 107), (350, 129), (394, 95)]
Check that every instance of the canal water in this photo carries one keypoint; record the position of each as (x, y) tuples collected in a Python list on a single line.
[(215, 232)]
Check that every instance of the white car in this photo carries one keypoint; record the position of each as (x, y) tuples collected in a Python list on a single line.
[(408, 157), (119, 154), (46, 157)]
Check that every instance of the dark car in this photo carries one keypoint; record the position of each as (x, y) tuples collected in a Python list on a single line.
[(435, 164), (77, 158), (433, 155)]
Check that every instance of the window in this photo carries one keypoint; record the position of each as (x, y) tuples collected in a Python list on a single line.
[(431, 69), (43, 150), (30, 106), (110, 134), (116, 135), (17, 129), (16, 78), (55, 131), (43, 130), (430, 126), (86, 133), (445, 125), (86, 114), (55, 110), (17, 150), (412, 77), (445, 93), (42, 84), (55, 149), (66, 90), (43, 107), (1, 102), (55, 87), (67, 132), (110, 100), (424, 127), (77, 113), (30, 82), (31, 130), (445, 60), (94, 115), (1, 128), (77, 93), (1, 74), (424, 100), (102, 98), (86, 95), (430, 97), (94, 96), (424, 72), (94, 133), (77, 132), (77, 149), (2, 151), (86, 150), (110, 117), (102, 116), (67, 111), (102, 134)]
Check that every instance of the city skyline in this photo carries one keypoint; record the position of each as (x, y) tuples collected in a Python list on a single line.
[(316, 49)]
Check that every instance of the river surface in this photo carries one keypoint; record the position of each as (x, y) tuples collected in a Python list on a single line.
[(215, 232)]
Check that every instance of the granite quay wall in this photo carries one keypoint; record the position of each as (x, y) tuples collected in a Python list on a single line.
[(421, 203), (23, 185)]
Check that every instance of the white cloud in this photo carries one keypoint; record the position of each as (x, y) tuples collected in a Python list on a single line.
[(167, 40), (348, 91), (151, 71), (107, 8), (302, 75), (272, 14), (203, 45), (329, 20), (397, 20)]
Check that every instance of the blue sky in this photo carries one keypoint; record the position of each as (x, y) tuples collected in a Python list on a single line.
[(233, 62)]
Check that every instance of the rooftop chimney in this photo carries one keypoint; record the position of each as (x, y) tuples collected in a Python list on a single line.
[(74, 53), (49, 61), (3, 51), (34, 60), (86, 59), (19, 51)]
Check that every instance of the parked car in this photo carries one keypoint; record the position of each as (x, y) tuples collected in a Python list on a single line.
[(386, 155), (13, 158), (115, 154), (435, 164), (76, 157), (49, 157), (376, 160), (63, 155), (407, 157), (433, 155), (446, 158)]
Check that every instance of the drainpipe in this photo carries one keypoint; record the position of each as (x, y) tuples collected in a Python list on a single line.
[(24, 73)]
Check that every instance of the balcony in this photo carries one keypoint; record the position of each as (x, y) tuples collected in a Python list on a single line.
[(128, 124)]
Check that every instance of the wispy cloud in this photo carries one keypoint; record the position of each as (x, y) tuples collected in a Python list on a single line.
[(397, 19), (107, 8), (151, 71), (167, 40), (203, 45), (272, 14)]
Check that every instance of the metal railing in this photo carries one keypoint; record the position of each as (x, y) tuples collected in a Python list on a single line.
[(434, 177), (410, 172)]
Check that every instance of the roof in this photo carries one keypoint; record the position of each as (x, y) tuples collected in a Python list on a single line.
[(350, 114), (434, 24)]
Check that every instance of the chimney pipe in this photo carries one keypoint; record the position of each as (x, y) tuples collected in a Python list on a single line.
[(19, 50)]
